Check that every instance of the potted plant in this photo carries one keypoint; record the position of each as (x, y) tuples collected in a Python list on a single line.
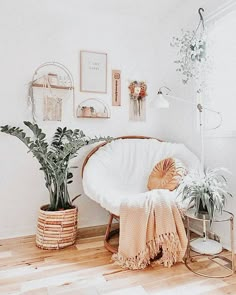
[(93, 112), (57, 221), (206, 192)]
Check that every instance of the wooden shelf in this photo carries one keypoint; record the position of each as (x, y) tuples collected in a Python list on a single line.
[(52, 86)]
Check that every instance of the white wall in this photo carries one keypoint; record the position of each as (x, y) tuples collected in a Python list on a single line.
[(33, 32), (136, 37)]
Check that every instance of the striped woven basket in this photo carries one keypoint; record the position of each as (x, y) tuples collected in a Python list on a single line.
[(56, 229)]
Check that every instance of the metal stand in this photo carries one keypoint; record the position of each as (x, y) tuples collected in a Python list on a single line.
[(204, 245), (229, 263)]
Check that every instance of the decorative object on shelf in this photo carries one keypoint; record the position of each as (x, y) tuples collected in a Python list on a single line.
[(93, 108), (192, 56), (137, 94), (209, 247), (54, 160), (161, 102), (56, 84), (53, 79), (116, 87), (93, 72)]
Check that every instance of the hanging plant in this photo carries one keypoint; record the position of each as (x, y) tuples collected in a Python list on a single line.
[(192, 52), (137, 93)]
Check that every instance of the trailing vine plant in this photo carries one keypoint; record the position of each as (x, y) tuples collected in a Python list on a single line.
[(192, 59)]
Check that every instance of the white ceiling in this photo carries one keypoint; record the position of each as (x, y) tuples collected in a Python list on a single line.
[(158, 11), (149, 8), (136, 7)]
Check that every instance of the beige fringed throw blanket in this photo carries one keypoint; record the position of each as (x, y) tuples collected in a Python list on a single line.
[(149, 224)]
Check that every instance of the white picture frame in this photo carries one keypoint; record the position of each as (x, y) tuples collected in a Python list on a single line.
[(93, 72)]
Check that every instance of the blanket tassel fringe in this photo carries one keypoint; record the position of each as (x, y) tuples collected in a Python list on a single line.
[(168, 243)]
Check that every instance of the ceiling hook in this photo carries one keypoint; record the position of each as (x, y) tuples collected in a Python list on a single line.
[(200, 10)]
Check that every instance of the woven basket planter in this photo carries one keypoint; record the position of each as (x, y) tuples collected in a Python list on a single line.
[(56, 229)]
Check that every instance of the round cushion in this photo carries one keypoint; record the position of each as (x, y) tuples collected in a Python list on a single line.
[(166, 174)]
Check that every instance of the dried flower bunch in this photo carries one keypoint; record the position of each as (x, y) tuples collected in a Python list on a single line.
[(137, 93), (138, 90)]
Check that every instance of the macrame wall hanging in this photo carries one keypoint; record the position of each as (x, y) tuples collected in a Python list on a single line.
[(51, 85)]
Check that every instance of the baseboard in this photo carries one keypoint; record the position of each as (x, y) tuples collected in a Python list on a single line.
[(20, 232), (84, 232), (94, 231)]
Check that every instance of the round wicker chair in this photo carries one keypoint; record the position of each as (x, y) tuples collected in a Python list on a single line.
[(120, 169)]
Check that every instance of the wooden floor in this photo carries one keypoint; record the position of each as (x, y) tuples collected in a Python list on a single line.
[(86, 268)]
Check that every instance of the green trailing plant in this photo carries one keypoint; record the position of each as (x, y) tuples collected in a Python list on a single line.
[(206, 192), (192, 58), (54, 158)]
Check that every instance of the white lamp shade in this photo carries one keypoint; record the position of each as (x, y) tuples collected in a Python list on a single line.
[(160, 102)]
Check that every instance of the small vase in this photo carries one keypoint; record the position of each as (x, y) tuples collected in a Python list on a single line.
[(86, 112)]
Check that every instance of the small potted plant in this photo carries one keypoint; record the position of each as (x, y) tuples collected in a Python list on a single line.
[(206, 192), (93, 112), (57, 221)]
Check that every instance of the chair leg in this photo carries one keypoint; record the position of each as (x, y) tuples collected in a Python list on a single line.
[(110, 234)]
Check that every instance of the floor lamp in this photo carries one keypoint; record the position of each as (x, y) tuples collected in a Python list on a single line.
[(200, 245)]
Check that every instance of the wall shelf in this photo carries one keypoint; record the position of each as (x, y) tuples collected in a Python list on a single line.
[(57, 85), (93, 108), (52, 86), (93, 117)]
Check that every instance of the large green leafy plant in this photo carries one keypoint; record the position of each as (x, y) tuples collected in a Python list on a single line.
[(207, 191), (54, 158)]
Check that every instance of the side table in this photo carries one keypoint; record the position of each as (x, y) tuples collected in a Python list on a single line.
[(191, 259)]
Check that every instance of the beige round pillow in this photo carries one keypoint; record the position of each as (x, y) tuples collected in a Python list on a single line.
[(166, 174)]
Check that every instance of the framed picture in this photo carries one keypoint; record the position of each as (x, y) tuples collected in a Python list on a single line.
[(93, 72)]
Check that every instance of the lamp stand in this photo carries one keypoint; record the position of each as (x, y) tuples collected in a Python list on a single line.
[(200, 109), (204, 245)]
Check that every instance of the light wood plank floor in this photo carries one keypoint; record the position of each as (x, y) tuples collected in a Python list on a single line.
[(86, 269)]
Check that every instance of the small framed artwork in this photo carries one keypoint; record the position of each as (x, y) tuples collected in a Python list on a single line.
[(93, 72)]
